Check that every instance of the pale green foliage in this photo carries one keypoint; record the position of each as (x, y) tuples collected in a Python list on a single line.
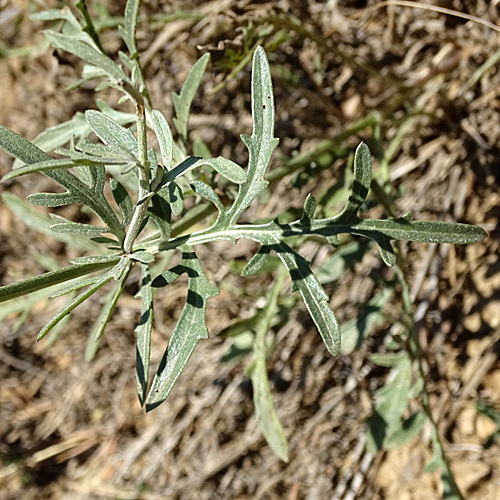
[(123, 241)]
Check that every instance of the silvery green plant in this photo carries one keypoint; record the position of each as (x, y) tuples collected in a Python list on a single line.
[(123, 242)]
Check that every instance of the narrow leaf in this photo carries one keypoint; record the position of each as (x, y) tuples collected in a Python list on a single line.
[(203, 189), (262, 142), (78, 229), (74, 303), (175, 198), (190, 328), (424, 231), (87, 53), (109, 304), (123, 201), (51, 278), (77, 190), (112, 133), (143, 332), (182, 102), (19, 147), (315, 298), (257, 262), (185, 166), (164, 136), (309, 209), (39, 221), (143, 256), (264, 407), (162, 214), (227, 168), (128, 30), (361, 182)]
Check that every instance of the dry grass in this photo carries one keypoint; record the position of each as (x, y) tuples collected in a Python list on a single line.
[(74, 430)]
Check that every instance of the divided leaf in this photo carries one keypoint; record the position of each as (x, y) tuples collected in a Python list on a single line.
[(190, 328), (262, 142)]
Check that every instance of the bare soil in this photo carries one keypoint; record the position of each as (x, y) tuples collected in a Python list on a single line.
[(73, 430)]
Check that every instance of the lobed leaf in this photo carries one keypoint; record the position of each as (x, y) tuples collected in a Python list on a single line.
[(40, 222), (78, 191), (262, 142), (190, 328)]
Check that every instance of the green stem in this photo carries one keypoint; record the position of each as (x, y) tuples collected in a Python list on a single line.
[(144, 178)]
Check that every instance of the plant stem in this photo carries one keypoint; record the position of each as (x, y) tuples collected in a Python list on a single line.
[(144, 178)]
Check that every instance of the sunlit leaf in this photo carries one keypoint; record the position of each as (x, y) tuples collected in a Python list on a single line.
[(182, 102), (190, 328), (143, 333)]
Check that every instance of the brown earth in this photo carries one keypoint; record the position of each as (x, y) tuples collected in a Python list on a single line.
[(73, 430)]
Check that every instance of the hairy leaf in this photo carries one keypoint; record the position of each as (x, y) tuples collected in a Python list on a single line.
[(143, 332), (227, 168), (315, 298), (109, 304), (361, 183), (164, 136), (203, 189), (74, 303), (182, 102), (51, 278), (190, 328), (111, 132), (261, 143), (264, 407), (128, 30), (87, 53)]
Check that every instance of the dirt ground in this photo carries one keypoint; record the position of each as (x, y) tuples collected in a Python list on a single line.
[(74, 430)]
